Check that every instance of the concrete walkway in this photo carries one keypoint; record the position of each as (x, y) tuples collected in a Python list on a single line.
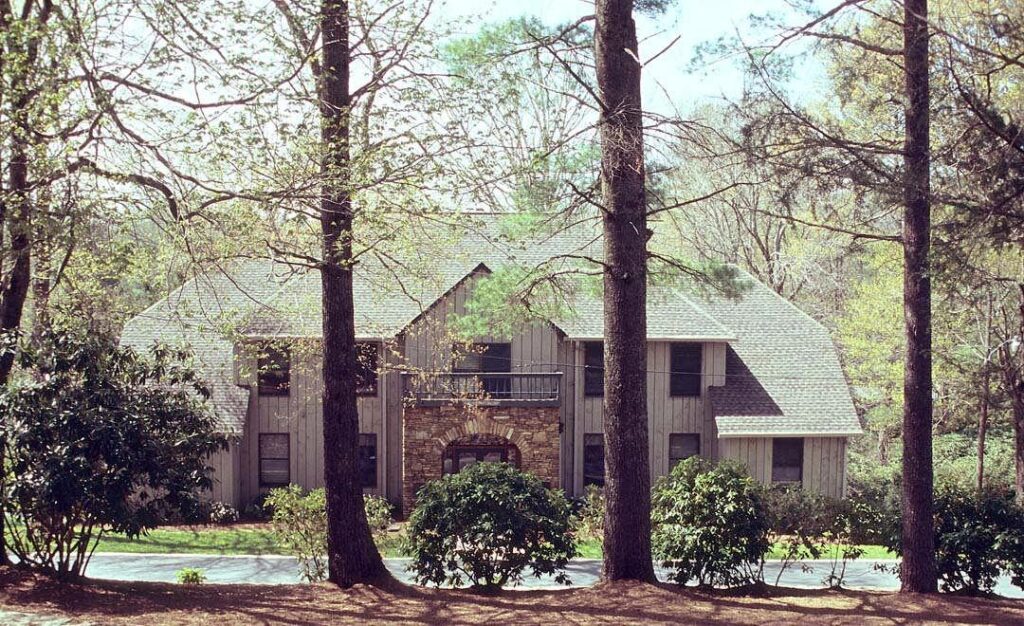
[(863, 575)]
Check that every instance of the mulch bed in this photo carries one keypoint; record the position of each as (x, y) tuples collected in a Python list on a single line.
[(156, 604)]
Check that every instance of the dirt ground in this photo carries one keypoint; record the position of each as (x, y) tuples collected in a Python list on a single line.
[(30, 599)]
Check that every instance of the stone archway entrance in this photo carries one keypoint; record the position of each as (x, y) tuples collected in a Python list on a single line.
[(528, 437), (472, 449)]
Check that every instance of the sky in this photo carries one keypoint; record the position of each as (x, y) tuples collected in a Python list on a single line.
[(669, 82)]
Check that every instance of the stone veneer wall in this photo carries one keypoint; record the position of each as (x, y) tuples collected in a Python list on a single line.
[(428, 431)]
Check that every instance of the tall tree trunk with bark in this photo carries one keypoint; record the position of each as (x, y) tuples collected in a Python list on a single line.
[(986, 396), (986, 391), (352, 556), (627, 535), (1015, 384), (917, 572)]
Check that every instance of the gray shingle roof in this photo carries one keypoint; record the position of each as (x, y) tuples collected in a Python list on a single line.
[(202, 313), (783, 375), (671, 314)]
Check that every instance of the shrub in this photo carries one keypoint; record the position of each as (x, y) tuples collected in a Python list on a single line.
[(710, 524), (487, 525), (101, 439), (798, 520), (846, 517), (221, 513), (258, 510), (300, 525), (191, 576), (589, 517), (812, 526), (976, 537), (378, 515)]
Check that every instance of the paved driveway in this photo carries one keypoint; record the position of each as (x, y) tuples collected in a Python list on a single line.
[(583, 572)]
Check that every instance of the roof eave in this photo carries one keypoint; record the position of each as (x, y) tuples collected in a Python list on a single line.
[(707, 339), (794, 433)]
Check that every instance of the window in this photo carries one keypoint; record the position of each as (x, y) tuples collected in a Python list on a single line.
[(367, 460), (273, 370), (682, 446), (787, 460), (593, 369), (593, 460), (274, 450), (686, 369), (367, 362), (489, 357)]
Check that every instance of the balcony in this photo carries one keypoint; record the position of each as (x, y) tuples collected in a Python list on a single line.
[(520, 389)]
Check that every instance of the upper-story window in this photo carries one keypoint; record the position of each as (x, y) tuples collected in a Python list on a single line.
[(367, 364), (685, 379), (273, 370), (484, 358), (593, 369), (787, 460)]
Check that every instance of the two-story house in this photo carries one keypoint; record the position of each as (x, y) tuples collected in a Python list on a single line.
[(750, 378)]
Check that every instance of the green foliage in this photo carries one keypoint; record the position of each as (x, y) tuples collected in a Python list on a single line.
[(509, 298), (100, 439), (798, 520), (300, 525), (487, 525), (589, 517), (956, 460), (710, 523), (813, 526), (191, 576), (976, 537), (378, 515)]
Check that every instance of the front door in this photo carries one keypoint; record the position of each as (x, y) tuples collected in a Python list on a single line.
[(456, 458)]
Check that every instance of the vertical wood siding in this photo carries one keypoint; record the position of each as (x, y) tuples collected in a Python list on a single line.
[(300, 415), (665, 414), (824, 468), (225, 475)]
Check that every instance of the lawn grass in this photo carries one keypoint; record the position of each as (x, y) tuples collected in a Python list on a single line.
[(256, 539), (590, 548), (202, 540)]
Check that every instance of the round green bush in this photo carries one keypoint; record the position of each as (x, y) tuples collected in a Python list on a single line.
[(487, 525), (977, 536), (710, 524)]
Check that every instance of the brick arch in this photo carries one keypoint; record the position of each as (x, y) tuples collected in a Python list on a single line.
[(481, 426)]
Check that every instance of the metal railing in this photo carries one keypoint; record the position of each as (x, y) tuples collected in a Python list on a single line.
[(487, 388)]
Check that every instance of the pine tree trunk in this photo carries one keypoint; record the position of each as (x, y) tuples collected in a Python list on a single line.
[(627, 534), (352, 556), (986, 397), (983, 430), (917, 572), (1016, 386), (17, 214), (1018, 443)]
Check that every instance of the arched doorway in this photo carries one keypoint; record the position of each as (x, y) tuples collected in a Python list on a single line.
[(472, 449)]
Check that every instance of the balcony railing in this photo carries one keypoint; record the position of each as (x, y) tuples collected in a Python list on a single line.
[(483, 388)]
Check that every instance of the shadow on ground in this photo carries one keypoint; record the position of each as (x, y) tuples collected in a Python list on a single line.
[(156, 604)]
